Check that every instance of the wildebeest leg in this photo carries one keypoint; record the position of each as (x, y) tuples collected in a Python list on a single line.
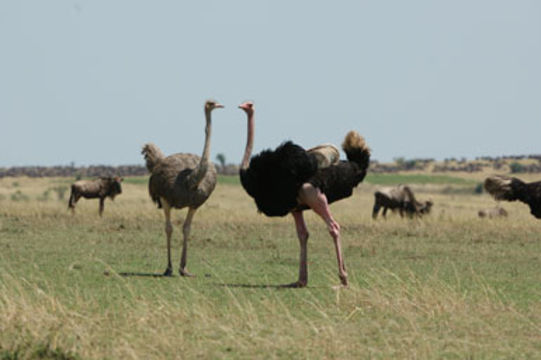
[(102, 201), (302, 233), (317, 201), (375, 210), (186, 233), (74, 197), (384, 213), (168, 232)]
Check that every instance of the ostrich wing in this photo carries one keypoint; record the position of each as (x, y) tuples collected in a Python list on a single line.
[(325, 155)]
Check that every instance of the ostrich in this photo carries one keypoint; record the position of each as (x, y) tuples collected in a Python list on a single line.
[(179, 181), (511, 189), (288, 180)]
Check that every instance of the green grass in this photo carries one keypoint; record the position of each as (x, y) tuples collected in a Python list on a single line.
[(448, 286), (395, 179), (137, 180), (229, 179)]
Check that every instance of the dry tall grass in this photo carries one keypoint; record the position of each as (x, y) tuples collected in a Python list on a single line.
[(447, 286)]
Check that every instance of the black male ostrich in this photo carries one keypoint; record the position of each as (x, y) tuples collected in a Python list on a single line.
[(511, 189), (178, 181), (288, 180)]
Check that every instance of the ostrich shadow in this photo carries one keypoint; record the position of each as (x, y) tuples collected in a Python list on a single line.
[(231, 285), (264, 286), (245, 286), (142, 274)]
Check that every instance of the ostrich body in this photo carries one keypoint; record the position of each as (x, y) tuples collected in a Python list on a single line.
[(179, 181), (289, 180), (512, 189)]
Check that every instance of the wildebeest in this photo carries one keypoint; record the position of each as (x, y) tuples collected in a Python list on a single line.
[(399, 198), (494, 212), (95, 189), (513, 189)]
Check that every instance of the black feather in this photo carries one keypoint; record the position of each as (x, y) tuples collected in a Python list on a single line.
[(337, 181), (275, 177)]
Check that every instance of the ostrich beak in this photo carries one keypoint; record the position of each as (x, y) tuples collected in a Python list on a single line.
[(246, 106), (218, 106)]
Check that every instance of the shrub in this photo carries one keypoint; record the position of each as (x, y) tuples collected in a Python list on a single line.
[(45, 196), (19, 196), (516, 167), (60, 192)]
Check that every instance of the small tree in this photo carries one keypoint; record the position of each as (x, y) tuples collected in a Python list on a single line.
[(516, 167), (60, 191), (221, 159), (399, 161), (478, 189)]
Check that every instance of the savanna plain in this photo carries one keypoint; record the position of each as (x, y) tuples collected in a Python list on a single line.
[(449, 285)]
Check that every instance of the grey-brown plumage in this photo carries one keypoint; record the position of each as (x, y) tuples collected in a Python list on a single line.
[(325, 155), (179, 181), (173, 178)]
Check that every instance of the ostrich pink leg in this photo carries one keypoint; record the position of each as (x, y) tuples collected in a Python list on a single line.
[(186, 233), (168, 232), (317, 201), (302, 233)]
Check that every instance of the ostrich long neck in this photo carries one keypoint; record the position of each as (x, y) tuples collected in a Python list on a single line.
[(201, 170), (249, 142)]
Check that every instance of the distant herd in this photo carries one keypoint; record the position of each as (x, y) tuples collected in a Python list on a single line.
[(286, 180)]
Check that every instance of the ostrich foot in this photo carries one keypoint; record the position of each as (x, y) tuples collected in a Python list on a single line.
[(296, 284), (341, 286), (168, 272), (184, 272), (343, 279)]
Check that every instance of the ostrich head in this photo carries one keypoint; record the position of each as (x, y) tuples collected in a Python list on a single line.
[(248, 107), (211, 105)]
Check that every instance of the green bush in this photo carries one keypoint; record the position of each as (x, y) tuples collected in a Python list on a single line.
[(45, 196), (516, 167), (60, 191), (19, 196)]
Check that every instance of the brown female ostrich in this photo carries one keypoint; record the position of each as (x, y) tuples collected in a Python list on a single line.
[(288, 180), (178, 181), (511, 189)]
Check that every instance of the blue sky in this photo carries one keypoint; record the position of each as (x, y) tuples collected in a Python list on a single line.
[(91, 81)]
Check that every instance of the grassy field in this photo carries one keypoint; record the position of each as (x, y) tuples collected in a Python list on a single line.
[(448, 286)]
